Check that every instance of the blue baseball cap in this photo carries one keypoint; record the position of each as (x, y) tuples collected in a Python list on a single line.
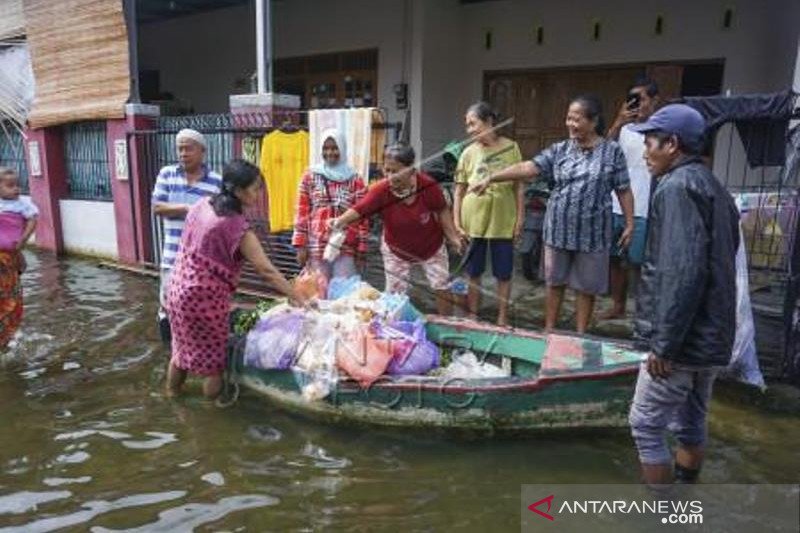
[(680, 120)]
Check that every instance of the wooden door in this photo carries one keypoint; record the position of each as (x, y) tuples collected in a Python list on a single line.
[(538, 100)]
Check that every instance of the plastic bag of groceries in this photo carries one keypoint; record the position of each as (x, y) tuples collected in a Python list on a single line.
[(363, 355), (311, 283), (413, 353), (274, 340), (467, 366), (398, 307), (315, 367), (340, 287)]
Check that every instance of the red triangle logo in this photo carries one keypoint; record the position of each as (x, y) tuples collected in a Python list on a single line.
[(549, 501)]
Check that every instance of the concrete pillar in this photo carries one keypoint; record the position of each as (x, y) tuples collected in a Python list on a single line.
[(44, 151), (140, 146)]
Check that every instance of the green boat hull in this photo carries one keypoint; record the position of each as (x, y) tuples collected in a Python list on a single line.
[(590, 389)]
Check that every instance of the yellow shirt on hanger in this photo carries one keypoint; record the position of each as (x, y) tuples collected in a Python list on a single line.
[(284, 158)]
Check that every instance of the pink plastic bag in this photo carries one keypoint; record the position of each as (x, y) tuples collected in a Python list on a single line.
[(363, 355)]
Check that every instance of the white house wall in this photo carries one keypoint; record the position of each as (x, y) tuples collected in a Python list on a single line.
[(200, 56), (89, 228)]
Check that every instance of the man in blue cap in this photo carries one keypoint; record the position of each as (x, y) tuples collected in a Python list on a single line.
[(686, 305)]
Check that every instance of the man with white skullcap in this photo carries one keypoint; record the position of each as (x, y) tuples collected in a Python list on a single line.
[(177, 188)]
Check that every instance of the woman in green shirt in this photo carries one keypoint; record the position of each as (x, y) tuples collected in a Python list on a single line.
[(493, 220)]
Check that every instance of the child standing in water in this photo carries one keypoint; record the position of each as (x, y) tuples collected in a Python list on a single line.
[(17, 224)]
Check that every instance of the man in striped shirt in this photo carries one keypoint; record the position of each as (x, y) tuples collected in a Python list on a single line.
[(177, 188)]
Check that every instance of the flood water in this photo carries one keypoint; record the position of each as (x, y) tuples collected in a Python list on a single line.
[(88, 441)]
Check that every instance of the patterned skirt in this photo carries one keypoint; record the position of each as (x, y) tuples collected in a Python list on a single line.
[(10, 296), (198, 304)]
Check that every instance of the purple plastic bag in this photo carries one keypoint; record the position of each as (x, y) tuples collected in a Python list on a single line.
[(274, 341), (414, 354)]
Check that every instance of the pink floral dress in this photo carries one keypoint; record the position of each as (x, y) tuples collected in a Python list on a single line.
[(203, 281)]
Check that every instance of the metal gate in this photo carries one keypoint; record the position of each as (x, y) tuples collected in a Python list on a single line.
[(768, 197), (226, 136)]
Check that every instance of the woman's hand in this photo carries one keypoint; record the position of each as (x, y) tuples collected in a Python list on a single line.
[(460, 231), (519, 225), (457, 244), (480, 186), (302, 256), (625, 238)]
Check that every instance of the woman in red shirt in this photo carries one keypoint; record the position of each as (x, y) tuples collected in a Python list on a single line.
[(416, 222), (326, 192)]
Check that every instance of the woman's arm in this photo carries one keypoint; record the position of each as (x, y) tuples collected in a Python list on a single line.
[(301, 220), (345, 219), (625, 197), (252, 251), (450, 232), (459, 192), (363, 226), (521, 171), (519, 192)]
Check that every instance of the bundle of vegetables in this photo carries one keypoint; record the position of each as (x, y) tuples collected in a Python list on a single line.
[(244, 321)]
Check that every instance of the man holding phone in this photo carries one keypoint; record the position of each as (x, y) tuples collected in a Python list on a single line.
[(640, 104)]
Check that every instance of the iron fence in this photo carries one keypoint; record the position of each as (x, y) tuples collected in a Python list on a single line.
[(12, 154), (86, 160)]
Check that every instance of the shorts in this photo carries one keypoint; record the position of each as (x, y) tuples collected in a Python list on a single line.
[(585, 272), (398, 270), (502, 254), (676, 404), (634, 254)]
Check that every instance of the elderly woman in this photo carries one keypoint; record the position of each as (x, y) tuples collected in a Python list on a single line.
[(582, 172), (177, 188), (416, 222), (326, 192), (216, 241), (492, 221)]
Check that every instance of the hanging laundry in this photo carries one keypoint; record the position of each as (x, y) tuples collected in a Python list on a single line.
[(284, 159), (356, 124), (251, 149)]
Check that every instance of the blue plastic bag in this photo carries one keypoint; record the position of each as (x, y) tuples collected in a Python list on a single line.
[(399, 307), (340, 287)]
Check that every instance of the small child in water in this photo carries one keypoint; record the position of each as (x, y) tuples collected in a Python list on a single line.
[(17, 216), (17, 223)]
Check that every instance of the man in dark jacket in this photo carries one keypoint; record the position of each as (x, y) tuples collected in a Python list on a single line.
[(687, 297)]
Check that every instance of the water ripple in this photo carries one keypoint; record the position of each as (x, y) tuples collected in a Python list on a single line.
[(192, 515), (91, 510)]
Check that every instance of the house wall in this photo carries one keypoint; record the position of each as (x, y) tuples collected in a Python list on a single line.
[(204, 69), (89, 228), (445, 58)]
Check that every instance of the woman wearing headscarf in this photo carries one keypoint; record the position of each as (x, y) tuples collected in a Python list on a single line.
[(327, 190)]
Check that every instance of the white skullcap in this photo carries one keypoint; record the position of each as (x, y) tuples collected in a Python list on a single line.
[(191, 135)]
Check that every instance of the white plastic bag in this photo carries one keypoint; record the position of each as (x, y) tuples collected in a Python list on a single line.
[(334, 246), (744, 360), (467, 366)]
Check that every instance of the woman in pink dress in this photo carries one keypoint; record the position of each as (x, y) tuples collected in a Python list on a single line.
[(216, 241)]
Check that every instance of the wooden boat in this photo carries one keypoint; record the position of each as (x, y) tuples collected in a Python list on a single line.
[(557, 381)]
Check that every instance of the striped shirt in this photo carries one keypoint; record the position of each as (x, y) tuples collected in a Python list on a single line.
[(172, 188), (578, 216)]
